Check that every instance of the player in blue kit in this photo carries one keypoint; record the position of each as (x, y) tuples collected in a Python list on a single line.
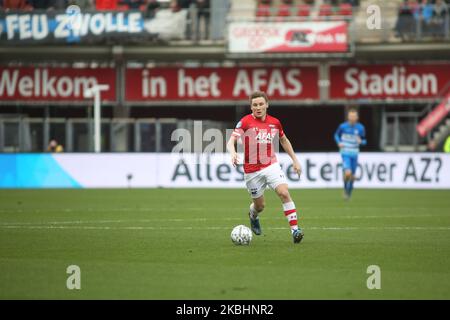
[(349, 136)]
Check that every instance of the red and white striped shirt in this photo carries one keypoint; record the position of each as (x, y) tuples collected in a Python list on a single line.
[(257, 136)]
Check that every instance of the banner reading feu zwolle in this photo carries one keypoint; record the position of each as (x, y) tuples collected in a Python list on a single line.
[(259, 37), (173, 170)]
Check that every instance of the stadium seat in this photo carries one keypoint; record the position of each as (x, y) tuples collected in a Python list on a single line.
[(325, 10), (345, 9), (284, 10), (263, 10), (122, 7), (303, 10)]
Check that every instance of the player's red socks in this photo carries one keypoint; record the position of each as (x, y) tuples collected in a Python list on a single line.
[(291, 214)]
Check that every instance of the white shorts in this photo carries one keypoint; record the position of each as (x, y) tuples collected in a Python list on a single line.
[(257, 182)]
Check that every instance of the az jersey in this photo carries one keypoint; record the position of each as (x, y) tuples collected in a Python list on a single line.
[(257, 136), (348, 135)]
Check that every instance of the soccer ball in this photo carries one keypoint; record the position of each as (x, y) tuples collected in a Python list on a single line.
[(241, 235)]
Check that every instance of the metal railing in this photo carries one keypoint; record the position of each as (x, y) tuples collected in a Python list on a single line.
[(398, 129), (76, 135), (398, 132), (24, 134)]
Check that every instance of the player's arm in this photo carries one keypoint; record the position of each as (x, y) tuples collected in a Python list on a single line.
[(231, 147), (287, 146), (362, 136), (337, 137)]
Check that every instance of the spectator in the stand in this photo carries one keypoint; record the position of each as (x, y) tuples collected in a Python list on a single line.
[(42, 4), (106, 4), (174, 6), (447, 145), (132, 4), (60, 4), (83, 4), (439, 17), (423, 16), (152, 7), (184, 4), (203, 15), (353, 3), (431, 146), (53, 146), (49, 4), (405, 26), (16, 5)]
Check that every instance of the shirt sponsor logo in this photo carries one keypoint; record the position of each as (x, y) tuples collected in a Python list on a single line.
[(264, 137)]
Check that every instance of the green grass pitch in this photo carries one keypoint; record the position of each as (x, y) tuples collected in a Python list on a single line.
[(175, 244)]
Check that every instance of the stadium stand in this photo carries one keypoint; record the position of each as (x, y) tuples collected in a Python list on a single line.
[(395, 29)]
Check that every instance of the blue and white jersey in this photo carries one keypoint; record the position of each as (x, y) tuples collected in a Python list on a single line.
[(348, 135)]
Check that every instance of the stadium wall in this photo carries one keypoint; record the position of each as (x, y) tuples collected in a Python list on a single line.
[(170, 170), (362, 83)]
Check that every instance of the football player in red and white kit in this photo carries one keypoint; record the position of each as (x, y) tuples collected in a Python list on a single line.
[(261, 169)]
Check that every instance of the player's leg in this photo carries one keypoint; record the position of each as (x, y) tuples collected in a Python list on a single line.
[(256, 185), (289, 209), (277, 181), (354, 166), (348, 176), (257, 206), (290, 212), (347, 170)]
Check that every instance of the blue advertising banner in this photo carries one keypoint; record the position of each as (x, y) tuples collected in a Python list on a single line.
[(76, 26)]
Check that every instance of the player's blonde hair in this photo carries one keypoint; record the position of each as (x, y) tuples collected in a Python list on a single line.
[(258, 94)]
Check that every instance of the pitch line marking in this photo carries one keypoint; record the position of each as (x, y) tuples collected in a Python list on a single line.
[(216, 228), (204, 220), (68, 210)]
